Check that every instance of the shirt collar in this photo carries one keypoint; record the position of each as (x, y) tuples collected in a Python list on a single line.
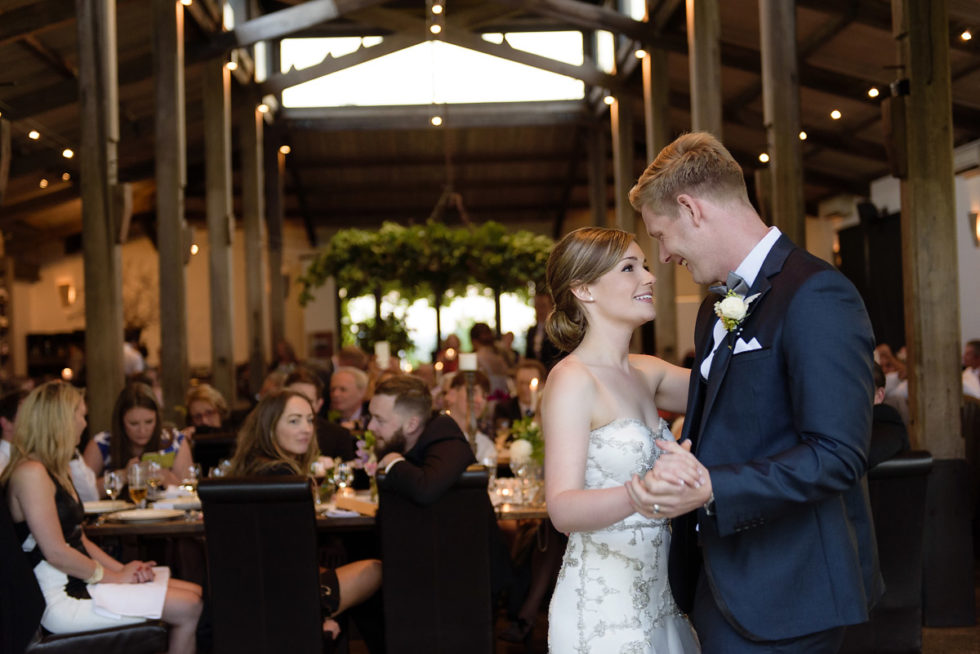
[(752, 264)]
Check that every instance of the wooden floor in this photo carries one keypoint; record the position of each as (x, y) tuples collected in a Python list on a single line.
[(949, 640)]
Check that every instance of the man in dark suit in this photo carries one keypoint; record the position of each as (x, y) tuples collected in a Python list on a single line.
[(772, 546), (889, 437), (539, 346), (422, 455)]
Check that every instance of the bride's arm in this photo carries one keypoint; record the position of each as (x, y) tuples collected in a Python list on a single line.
[(668, 383), (566, 412)]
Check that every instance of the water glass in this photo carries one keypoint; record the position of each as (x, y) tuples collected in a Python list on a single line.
[(154, 477), (113, 483), (490, 463)]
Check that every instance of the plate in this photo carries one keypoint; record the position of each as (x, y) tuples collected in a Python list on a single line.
[(106, 506), (146, 515)]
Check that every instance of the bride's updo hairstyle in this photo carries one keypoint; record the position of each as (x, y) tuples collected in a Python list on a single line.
[(581, 257)]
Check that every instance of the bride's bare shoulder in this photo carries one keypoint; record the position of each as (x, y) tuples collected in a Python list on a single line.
[(571, 374)]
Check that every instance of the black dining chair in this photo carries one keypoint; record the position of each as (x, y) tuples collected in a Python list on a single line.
[(262, 564), (21, 607), (897, 491), (209, 448), (436, 570)]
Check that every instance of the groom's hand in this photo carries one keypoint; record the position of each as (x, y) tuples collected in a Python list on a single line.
[(677, 465), (677, 486)]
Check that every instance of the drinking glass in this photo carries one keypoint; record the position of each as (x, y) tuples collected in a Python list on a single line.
[(113, 483), (491, 465), (520, 470), (189, 483), (154, 478), (344, 476), (136, 473)]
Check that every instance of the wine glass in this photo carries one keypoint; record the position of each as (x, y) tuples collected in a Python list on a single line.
[(136, 473), (113, 483), (154, 478), (520, 470), (490, 463), (189, 483), (344, 476)]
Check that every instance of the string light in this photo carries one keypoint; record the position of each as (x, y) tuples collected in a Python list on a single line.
[(966, 35), (34, 135), (835, 114), (437, 9), (263, 108), (66, 177), (194, 248), (764, 158), (187, 3), (43, 183), (67, 153), (873, 92), (285, 149), (640, 54), (802, 136), (609, 100), (436, 121), (435, 28), (232, 65)]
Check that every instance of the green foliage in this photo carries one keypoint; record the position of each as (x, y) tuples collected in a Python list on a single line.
[(389, 329), (430, 260), (529, 430)]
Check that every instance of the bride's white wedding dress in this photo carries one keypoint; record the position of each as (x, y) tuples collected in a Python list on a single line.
[(612, 594)]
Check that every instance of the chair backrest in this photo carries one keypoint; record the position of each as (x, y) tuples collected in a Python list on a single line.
[(436, 570), (210, 448), (262, 566), (21, 602), (897, 491)]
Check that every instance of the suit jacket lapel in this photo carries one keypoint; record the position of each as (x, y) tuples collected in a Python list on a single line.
[(723, 355)]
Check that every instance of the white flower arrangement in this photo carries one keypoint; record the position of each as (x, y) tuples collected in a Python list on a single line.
[(521, 450), (321, 466), (733, 309)]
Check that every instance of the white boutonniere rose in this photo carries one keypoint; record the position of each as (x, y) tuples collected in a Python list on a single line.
[(733, 308)]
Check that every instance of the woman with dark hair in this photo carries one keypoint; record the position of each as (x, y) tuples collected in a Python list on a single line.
[(600, 422), (278, 438), (47, 518), (137, 434)]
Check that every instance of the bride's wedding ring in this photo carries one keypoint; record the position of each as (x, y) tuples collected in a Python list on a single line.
[(656, 508)]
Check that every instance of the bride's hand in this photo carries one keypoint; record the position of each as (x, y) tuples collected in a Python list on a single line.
[(678, 466)]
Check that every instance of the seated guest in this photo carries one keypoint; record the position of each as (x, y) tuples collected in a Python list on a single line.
[(888, 434), (539, 346), (206, 408), (137, 434), (352, 356), (455, 405), (521, 406), (9, 404), (488, 360), (47, 518), (277, 439), (448, 354), (348, 390), (333, 440), (422, 456), (971, 369)]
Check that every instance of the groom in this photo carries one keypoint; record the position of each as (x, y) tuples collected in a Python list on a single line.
[(773, 549)]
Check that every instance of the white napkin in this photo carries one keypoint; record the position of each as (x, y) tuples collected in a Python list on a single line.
[(174, 492), (188, 503), (341, 513), (133, 600)]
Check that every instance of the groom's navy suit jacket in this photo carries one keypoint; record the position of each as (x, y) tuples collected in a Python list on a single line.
[(784, 430)]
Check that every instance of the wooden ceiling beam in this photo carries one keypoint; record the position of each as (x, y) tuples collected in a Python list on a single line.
[(283, 23), (330, 64), (399, 117), (34, 17), (587, 16), (49, 56)]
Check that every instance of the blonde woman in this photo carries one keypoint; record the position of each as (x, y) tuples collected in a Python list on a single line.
[(600, 421), (47, 518)]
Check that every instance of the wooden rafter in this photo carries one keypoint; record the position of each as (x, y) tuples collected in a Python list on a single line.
[(35, 17), (48, 55)]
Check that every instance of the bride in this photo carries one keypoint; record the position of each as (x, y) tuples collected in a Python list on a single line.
[(600, 421)]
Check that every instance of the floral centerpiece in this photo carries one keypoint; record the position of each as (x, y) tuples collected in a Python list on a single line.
[(528, 442)]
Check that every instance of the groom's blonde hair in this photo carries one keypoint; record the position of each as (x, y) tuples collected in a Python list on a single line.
[(695, 163)]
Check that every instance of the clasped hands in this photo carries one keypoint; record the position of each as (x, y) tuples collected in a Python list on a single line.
[(676, 484)]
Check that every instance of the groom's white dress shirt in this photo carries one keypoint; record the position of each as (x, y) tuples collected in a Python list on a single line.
[(747, 270)]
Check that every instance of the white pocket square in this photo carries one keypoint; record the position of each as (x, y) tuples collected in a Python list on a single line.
[(742, 346)]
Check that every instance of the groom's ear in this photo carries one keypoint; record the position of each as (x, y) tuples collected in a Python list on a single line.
[(690, 208)]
